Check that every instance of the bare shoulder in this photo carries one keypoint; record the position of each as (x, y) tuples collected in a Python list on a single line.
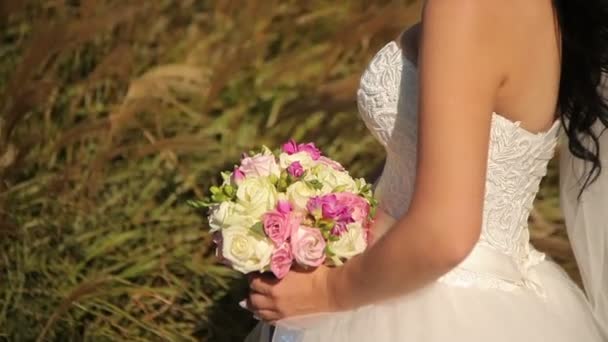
[(491, 16), (512, 43), (480, 16), (467, 8), (480, 26)]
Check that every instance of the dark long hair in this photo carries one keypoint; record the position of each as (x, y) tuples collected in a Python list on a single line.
[(584, 31)]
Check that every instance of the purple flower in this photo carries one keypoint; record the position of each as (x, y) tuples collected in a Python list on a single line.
[(339, 228), (315, 206), (329, 207), (360, 207), (295, 169), (290, 147), (333, 209), (311, 149)]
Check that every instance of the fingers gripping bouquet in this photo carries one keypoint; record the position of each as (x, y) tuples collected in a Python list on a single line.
[(295, 206)]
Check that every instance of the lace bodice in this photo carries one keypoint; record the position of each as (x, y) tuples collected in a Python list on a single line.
[(517, 160)]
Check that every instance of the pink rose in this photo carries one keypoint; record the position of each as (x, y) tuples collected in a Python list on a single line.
[(308, 246), (259, 166), (281, 260), (360, 207), (295, 169), (331, 163), (277, 226), (290, 147), (311, 149)]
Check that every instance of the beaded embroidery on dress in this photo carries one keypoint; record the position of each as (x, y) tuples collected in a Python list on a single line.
[(505, 290), (517, 161)]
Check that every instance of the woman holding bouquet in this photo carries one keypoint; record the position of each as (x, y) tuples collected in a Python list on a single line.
[(469, 106)]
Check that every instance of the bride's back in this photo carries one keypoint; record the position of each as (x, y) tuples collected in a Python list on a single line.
[(532, 63)]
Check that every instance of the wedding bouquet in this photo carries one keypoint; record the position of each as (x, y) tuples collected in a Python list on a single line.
[(292, 206)]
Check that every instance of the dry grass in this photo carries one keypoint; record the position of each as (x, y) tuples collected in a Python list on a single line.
[(116, 112)]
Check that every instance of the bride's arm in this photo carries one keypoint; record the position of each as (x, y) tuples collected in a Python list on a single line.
[(459, 78), (460, 61)]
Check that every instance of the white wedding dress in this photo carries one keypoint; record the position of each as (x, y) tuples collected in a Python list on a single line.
[(505, 290)]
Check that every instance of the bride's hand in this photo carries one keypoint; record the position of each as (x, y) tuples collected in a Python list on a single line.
[(300, 292)]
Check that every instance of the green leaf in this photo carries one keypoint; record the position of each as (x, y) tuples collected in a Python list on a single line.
[(372, 212), (333, 238), (219, 198), (265, 150), (282, 185), (284, 175), (226, 175), (358, 183), (325, 233), (199, 204), (258, 229), (339, 188), (337, 261), (326, 224), (314, 184), (229, 191), (273, 179)]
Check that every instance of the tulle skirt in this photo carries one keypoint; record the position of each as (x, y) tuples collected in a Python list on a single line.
[(444, 312)]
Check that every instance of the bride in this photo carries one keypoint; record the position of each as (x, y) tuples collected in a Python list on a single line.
[(469, 105)]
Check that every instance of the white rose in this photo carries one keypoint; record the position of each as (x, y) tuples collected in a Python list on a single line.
[(351, 243), (246, 251), (332, 179), (299, 193), (228, 214), (257, 196), (303, 157)]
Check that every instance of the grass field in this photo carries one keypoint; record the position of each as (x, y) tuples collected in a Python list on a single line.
[(114, 113)]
